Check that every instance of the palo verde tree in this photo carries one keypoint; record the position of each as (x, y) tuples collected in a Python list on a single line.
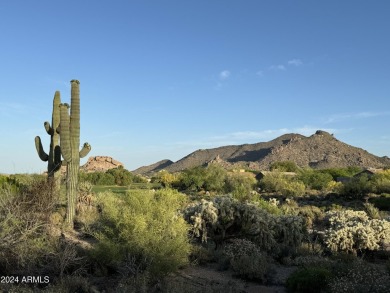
[(53, 159), (70, 142)]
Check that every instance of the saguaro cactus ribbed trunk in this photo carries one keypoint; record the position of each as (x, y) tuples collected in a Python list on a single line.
[(54, 156), (70, 142)]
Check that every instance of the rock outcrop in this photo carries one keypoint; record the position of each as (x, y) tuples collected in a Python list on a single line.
[(100, 164)]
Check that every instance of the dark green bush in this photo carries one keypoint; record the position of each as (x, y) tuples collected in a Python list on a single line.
[(284, 166), (342, 172), (314, 179), (310, 279), (210, 178), (117, 176), (382, 202), (357, 188), (192, 179)]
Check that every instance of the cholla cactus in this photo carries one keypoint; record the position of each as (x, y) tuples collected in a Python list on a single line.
[(201, 216), (273, 201), (353, 231), (225, 217)]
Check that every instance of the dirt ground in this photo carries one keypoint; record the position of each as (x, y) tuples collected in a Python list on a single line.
[(210, 279)]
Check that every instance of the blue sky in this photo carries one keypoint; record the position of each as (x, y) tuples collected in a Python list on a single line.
[(160, 79)]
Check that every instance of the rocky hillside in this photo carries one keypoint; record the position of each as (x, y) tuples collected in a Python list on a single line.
[(320, 150), (154, 167), (100, 164)]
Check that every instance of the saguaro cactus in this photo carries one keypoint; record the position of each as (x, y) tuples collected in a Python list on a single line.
[(54, 156), (70, 142)]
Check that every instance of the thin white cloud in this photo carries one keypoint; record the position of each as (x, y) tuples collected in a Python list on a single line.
[(295, 62), (260, 73), (352, 116), (278, 67), (12, 109), (225, 74)]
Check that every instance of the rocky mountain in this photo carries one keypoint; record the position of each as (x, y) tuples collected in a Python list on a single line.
[(320, 150), (100, 164), (153, 168)]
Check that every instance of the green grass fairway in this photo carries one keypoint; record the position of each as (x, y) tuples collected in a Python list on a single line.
[(123, 189), (114, 188)]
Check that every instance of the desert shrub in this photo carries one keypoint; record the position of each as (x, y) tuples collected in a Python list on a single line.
[(145, 225), (240, 186), (122, 176), (24, 227), (311, 214), (382, 202), (246, 260), (357, 187), (278, 182), (381, 182), (166, 179), (192, 179), (353, 231), (372, 211), (201, 254), (284, 166), (309, 259), (294, 188), (271, 206), (210, 178), (314, 179), (215, 176), (116, 176), (342, 172), (289, 207), (334, 187), (359, 276), (225, 217), (85, 187), (97, 178), (309, 279), (3, 180)]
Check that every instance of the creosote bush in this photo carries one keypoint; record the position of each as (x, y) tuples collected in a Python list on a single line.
[(145, 227)]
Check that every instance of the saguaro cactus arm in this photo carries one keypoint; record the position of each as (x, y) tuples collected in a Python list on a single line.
[(41, 153), (85, 150), (48, 128), (65, 132)]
